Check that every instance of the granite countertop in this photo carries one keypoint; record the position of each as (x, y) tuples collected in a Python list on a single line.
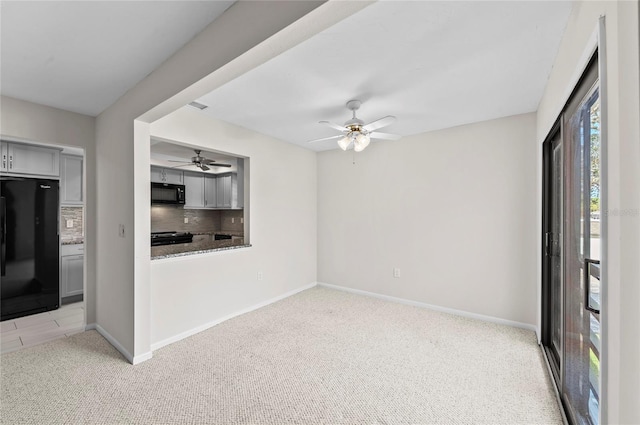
[(72, 241), (201, 243), (221, 232)]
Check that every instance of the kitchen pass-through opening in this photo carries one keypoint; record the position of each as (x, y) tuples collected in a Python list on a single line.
[(199, 199)]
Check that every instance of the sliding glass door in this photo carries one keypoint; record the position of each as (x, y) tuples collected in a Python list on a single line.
[(571, 269), (582, 267)]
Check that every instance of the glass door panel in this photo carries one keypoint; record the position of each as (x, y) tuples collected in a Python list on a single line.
[(581, 375), (554, 250)]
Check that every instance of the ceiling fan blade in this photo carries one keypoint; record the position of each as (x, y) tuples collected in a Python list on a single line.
[(183, 165), (214, 163), (382, 122), (176, 160), (336, 126), (203, 167), (385, 136), (325, 138)]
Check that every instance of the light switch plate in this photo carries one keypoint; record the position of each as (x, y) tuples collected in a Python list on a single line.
[(186, 220), (69, 224)]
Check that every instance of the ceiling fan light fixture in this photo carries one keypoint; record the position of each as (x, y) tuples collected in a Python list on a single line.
[(361, 141), (344, 142)]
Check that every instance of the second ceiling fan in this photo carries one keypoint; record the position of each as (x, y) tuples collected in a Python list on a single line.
[(201, 162), (355, 132)]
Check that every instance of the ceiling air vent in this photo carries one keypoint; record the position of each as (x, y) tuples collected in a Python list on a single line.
[(198, 105)]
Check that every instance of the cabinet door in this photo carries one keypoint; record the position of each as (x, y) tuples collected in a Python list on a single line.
[(194, 189), (173, 176), (72, 280), (224, 191), (210, 190), (237, 190), (4, 157), (166, 175), (239, 187), (157, 174), (70, 180), (27, 159)]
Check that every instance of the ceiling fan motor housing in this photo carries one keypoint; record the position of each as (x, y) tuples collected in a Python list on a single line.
[(354, 124)]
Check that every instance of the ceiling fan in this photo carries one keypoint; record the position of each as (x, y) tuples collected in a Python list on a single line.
[(200, 162), (356, 132)]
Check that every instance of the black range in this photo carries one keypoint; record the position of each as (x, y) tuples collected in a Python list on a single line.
[(172, 237)]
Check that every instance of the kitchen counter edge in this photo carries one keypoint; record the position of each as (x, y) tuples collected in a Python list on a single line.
[(204, 251)]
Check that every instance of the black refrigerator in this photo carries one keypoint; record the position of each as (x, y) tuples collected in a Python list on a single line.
[(30, 281)]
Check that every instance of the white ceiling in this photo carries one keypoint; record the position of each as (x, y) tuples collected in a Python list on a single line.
[(82, 56), (431, 64)]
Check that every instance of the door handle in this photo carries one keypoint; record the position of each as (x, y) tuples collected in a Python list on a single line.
[(547, 247), (591, 268)]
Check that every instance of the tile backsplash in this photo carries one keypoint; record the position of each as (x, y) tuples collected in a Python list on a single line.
[(76, 230), (171, 218), (232, 220)]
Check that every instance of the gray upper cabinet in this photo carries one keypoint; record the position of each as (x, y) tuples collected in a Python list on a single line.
[(194, 184), (18, 158), (4, 156), (204, 190), (70, 180), (237, 186), (223, 188), (166, 175), (210, 191)]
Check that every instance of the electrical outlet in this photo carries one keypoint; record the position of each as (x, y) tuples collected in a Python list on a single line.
[(233, 220), (186, 220), (121, 230), (259, 276), (396, 272), (241, 220), (69, 224)]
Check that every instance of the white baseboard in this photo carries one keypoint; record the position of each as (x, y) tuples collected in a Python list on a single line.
[(208, 325), (432, 307), (106, 335), (142, 357)]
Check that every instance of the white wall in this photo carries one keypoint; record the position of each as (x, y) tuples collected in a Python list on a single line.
[(621, 312), (453, 209), (189, 292), (221, 52), (28, 121)]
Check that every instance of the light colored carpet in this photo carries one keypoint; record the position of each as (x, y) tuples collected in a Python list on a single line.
[(319, 357)]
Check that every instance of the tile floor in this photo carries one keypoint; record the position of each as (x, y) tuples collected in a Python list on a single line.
[(42, 327)]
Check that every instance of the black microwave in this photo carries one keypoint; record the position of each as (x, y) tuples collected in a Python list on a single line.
[(165, 193)]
